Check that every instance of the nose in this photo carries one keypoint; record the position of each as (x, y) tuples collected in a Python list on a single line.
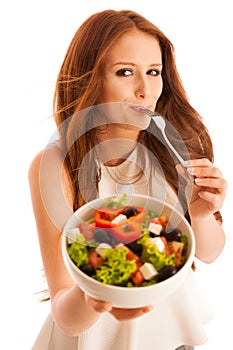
[(142, 88)]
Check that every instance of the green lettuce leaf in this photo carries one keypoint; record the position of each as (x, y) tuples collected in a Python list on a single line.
[(116, 270)]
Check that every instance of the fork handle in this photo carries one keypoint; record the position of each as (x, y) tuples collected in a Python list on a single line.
[(178, 156)]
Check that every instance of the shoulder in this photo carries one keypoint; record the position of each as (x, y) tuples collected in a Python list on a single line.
[(47, 172), (50, 185), (46, 163), (50, 156)]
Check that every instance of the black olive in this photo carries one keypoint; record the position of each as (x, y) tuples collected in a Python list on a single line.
[(135, 247), (153, 235), (166, 272), (102, 236), (130, 211), (171, 233), (88, 269)]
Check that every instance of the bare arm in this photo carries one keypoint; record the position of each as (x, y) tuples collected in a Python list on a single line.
[(73, 311), (49, 193), (210, 238)]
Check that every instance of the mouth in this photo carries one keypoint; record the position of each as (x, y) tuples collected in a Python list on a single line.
[(140, 109)]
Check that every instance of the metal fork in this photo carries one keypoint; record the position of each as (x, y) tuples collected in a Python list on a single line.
[(161, 124)]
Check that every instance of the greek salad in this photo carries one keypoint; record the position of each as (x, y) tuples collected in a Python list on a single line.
[(127, 246)]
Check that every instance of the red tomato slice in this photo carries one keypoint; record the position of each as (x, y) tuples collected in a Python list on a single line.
[(132, 256), (137, 277), (95, 259), (167, 248), (162, 220), (87, 230)]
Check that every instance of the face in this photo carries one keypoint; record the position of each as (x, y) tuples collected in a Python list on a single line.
[(132, 72)]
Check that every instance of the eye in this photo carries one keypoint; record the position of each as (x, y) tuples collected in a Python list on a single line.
[(154, 72), (124, 72)]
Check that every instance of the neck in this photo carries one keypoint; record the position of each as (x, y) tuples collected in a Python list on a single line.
[(113, 152)]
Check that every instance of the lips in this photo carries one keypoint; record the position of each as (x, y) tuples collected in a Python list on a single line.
[(141, 109)]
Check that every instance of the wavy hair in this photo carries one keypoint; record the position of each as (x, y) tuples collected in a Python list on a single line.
[(79, 85)]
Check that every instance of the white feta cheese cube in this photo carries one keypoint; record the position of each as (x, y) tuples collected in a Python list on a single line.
[(158, 242), (155, 228), (102, 247), (72, 234), (120, 219), (148, 271)]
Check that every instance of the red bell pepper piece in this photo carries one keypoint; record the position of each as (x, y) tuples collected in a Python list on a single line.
[(127, 233), (104, 216), (140, 217)]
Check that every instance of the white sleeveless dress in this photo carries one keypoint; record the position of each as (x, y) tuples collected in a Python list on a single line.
[(177, 320)]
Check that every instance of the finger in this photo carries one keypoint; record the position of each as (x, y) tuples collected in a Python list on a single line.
[(202, 162), (214, 202), (129, 314), (97, 305), (204, 172), (216, 183)]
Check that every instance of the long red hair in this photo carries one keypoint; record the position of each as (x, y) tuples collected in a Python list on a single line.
[(79, 85)]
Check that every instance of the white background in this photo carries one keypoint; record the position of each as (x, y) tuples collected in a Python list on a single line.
[(34, 39)]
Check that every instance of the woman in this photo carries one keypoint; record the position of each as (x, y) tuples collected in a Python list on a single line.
[(119, 61)]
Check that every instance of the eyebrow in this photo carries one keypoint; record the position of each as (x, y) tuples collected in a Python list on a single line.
[(133, 64)]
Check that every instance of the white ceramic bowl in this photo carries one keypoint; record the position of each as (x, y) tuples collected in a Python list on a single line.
[(137, 296)]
